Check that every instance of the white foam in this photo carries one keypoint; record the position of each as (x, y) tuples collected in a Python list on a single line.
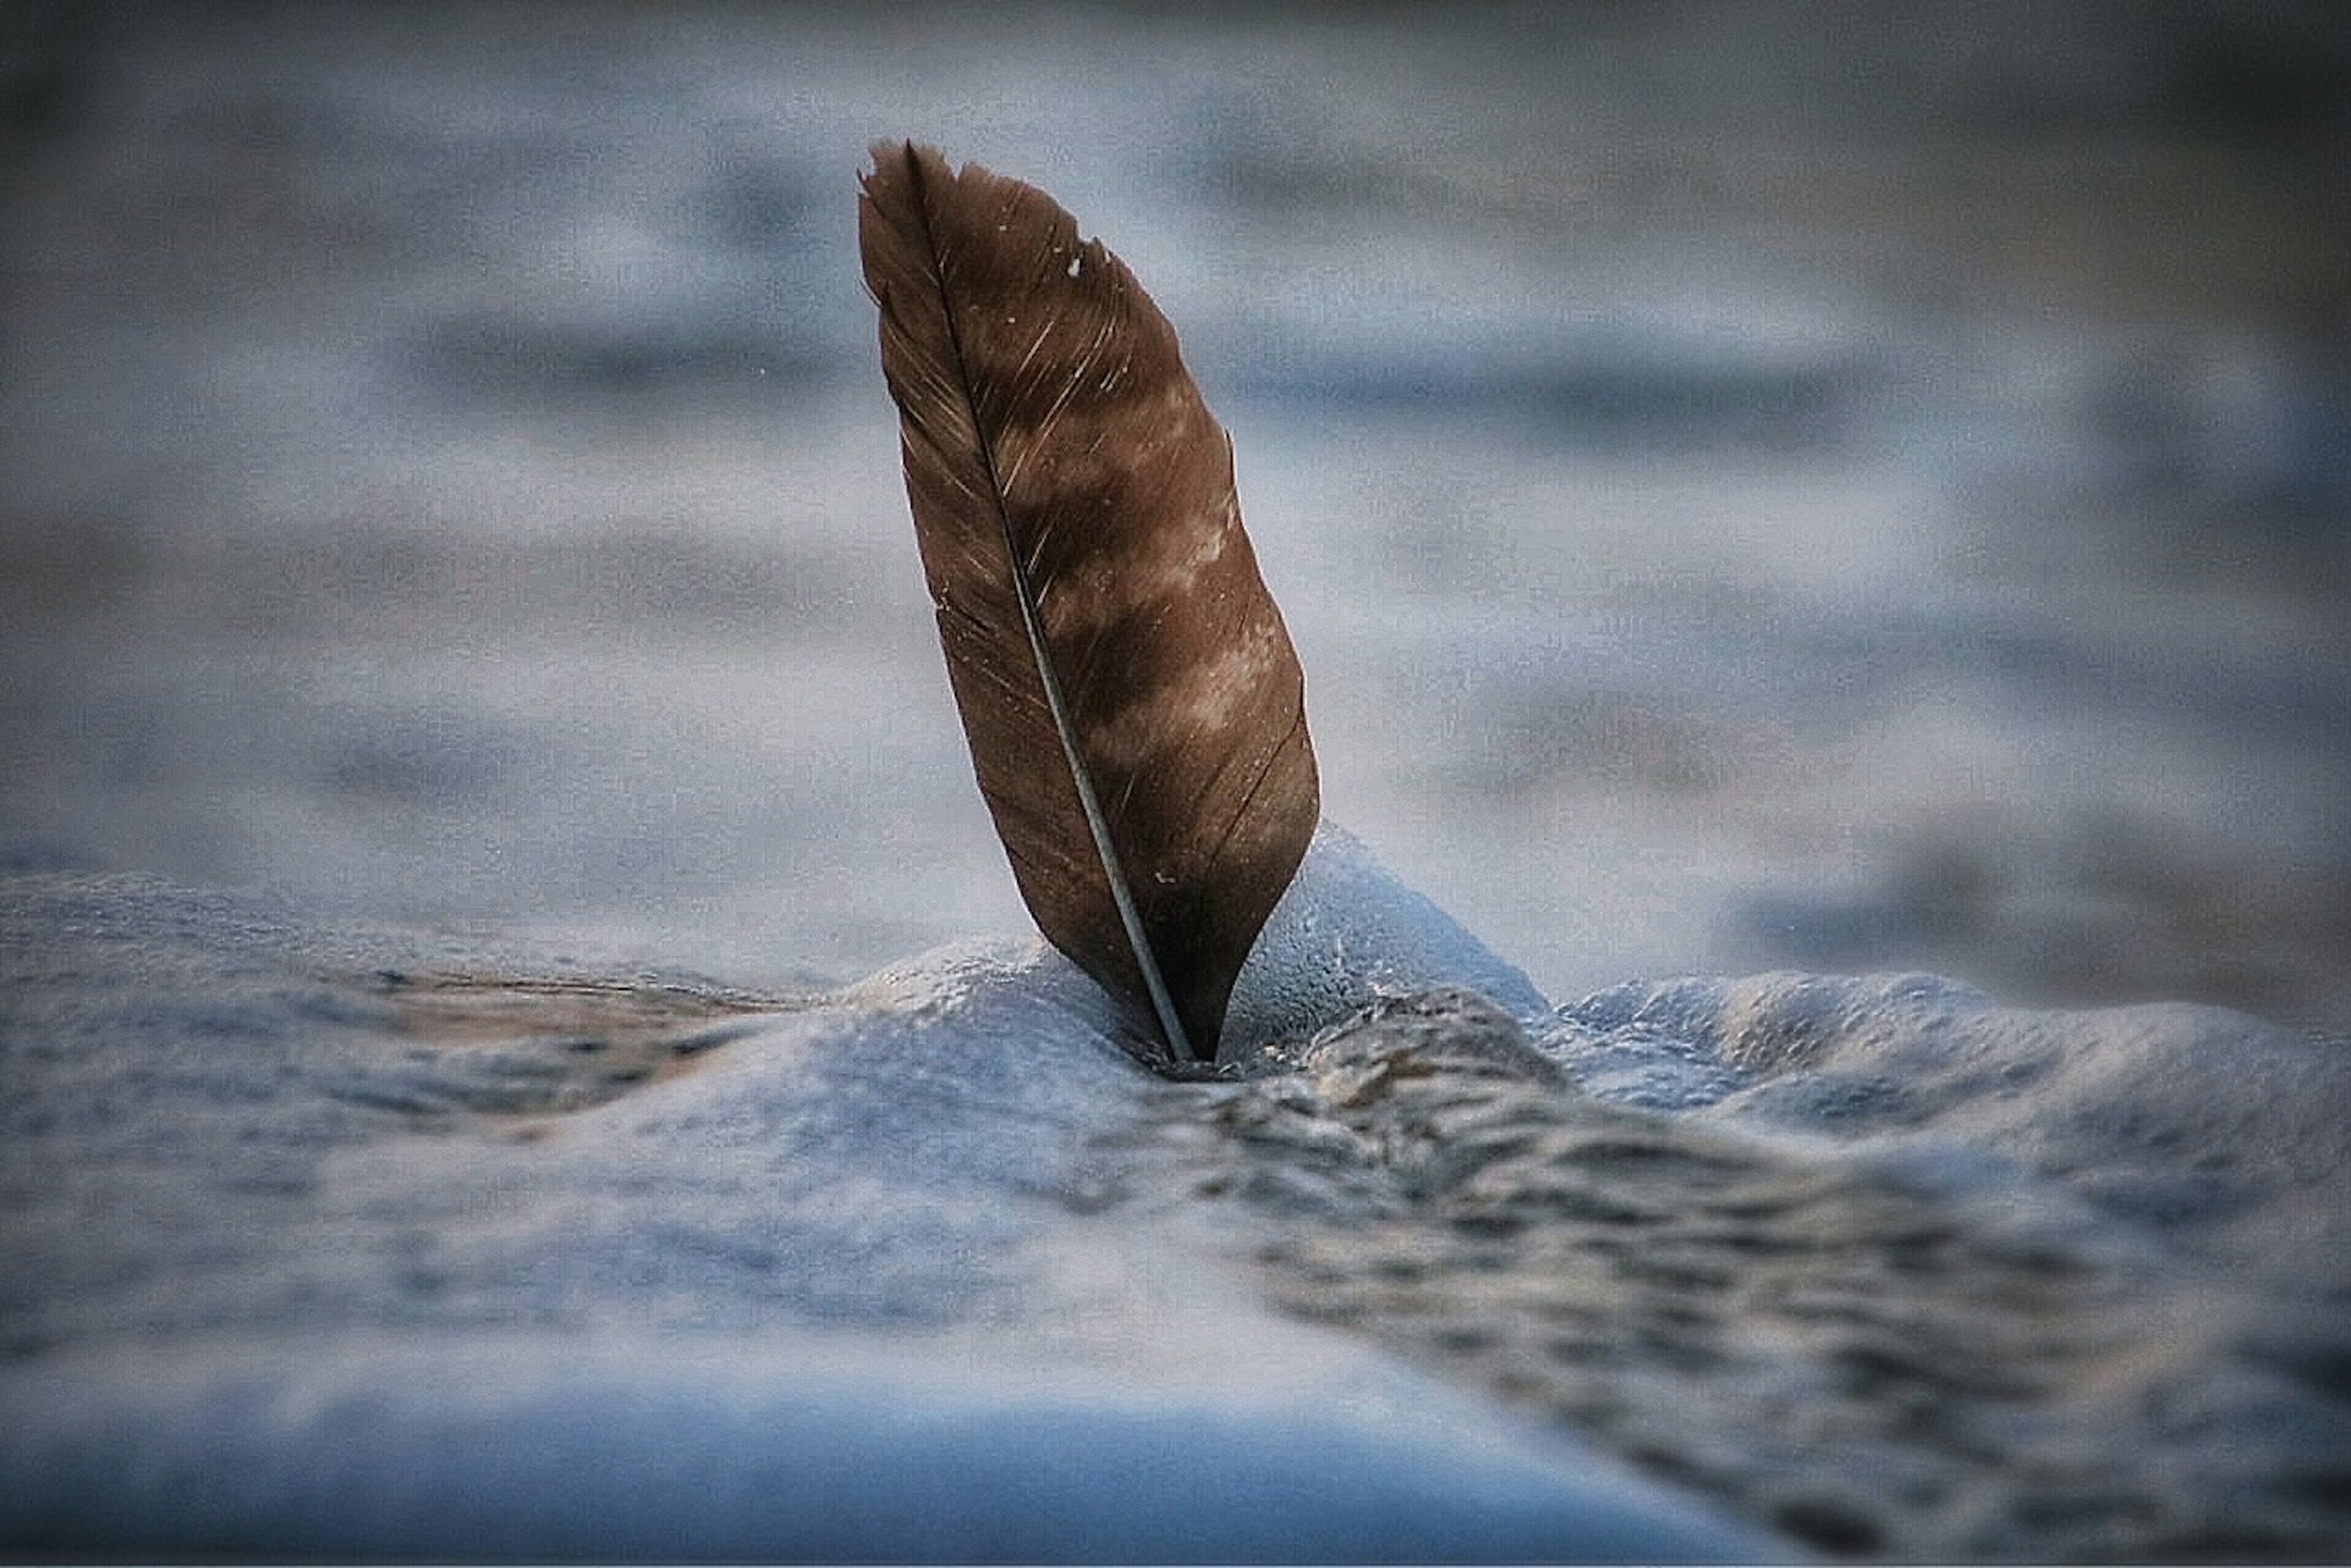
[(1346, 933)]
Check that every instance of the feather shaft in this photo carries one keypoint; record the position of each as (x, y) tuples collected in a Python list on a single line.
[(1130, 918)]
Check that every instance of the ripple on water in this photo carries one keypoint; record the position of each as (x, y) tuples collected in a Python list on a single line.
[(1835, 1312)]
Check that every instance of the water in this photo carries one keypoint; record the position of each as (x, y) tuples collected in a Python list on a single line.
[(1749, 493), (331, 1241), (1744, 496), (1870, 1268), (1905, 1275)]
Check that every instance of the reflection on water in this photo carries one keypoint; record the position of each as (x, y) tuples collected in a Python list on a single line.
[(1749, 490)]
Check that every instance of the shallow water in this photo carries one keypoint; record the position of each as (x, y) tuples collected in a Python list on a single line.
[(1746, 499), (1869, 1268), (1899, 1273), (335, 1241)]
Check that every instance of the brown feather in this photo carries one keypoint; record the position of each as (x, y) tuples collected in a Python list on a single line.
[(1105, 624)]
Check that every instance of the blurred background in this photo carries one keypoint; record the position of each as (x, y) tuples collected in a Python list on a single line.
[(1753, 486)]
